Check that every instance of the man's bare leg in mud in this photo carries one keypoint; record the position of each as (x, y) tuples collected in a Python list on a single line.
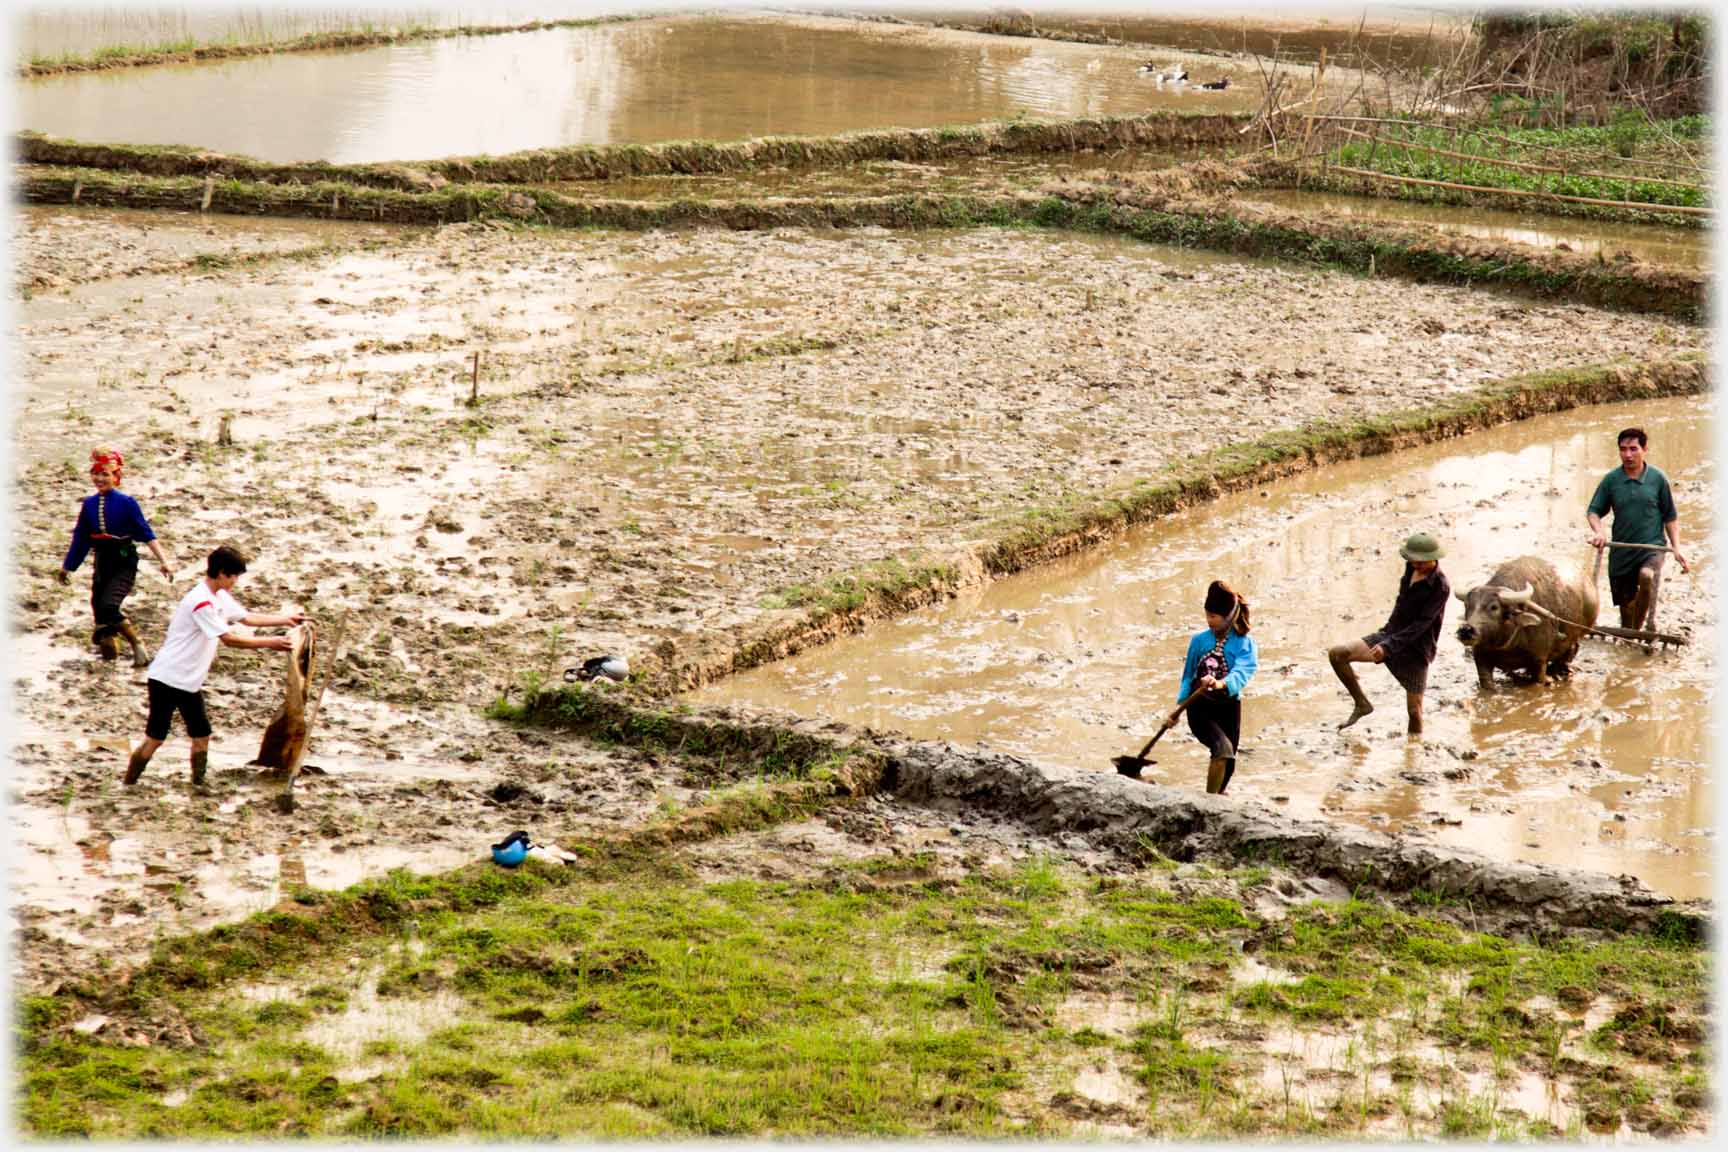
[(1341, 657), (1640, 613)]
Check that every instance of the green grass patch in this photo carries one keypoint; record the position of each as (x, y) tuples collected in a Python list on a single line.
[(879, 999)]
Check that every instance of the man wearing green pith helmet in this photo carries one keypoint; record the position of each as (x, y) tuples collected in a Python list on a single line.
[(1406, 643)]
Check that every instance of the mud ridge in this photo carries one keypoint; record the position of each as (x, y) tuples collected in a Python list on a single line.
[(1131, 818), (1140, 209), (1194, 206), (690, 157), (857, 599), (311, 42), (1474, 890)]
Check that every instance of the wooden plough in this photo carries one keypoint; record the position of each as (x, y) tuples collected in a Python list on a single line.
[(1637, 635)]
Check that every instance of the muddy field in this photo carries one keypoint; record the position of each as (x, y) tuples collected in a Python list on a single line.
[(672, 432), (1066, 664)]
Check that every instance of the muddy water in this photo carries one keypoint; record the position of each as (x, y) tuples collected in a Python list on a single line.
[(1074, 663), (1682, 247), (67, 31), (640, 82)]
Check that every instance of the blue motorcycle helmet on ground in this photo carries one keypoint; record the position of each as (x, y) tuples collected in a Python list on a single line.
[(511, 850)]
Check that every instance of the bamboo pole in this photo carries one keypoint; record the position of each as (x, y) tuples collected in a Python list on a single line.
[(1637, 205)]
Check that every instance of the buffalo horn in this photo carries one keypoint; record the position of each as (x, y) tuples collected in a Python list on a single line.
[(1507, 596)]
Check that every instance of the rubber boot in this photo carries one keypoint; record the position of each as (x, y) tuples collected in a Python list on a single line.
[(200, 765), (140, 657), (1215, 774), (135, 768), (1229, 771), (108, 645)]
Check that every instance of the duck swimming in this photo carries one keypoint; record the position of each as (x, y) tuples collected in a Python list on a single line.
[(1170, 75), (1217, 85)]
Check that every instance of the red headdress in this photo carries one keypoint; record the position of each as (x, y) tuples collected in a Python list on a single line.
[(106, 459)]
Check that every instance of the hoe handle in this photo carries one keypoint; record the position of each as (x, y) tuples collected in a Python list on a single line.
[(1180, 708)]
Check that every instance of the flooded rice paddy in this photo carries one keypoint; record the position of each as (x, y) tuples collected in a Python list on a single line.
[(49, 32), (1078, 662), (719, 78)]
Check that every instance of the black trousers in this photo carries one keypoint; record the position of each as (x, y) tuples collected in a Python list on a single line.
[(116, 570), (1216, 721)]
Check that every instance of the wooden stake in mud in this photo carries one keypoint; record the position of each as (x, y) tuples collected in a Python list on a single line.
[(474, 382), (209, 191)]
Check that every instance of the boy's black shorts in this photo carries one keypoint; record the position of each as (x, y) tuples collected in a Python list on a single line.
[(164, 700)]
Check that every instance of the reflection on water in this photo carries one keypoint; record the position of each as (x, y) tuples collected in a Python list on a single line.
[(639, 82), (1077, 662), (1682, 247), (1406, 33), (55, 32)]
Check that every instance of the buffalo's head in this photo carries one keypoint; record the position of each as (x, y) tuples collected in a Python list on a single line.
[(1493, 615)]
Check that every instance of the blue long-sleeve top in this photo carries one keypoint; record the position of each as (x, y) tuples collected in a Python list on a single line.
[(1241, 656), (110, 515)]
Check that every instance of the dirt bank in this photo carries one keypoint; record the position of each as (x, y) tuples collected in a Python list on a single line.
[(1131, 818), (1157, 130), (1163, 207)]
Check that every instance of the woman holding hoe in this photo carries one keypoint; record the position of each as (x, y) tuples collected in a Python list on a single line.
[(1221, 660)]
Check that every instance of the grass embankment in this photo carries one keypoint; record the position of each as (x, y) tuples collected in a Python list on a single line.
[(850, 601), (365, 35), (1632, 159), (888, 998), (1157, 130)]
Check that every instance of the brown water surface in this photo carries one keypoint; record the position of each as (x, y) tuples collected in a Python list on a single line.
[(1681, 247), (719, 78), (1406, 33), (1076, 662), (51, 32)]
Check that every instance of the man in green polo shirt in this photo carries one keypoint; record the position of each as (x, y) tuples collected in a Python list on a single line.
[(1638, 495)]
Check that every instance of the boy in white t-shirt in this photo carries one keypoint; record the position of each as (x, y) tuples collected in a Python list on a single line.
[(203, 619)]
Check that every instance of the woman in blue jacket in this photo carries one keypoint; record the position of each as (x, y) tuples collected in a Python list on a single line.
[(1221, 660)]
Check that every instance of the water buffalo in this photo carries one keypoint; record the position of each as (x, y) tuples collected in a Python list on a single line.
[(1502, 631)]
